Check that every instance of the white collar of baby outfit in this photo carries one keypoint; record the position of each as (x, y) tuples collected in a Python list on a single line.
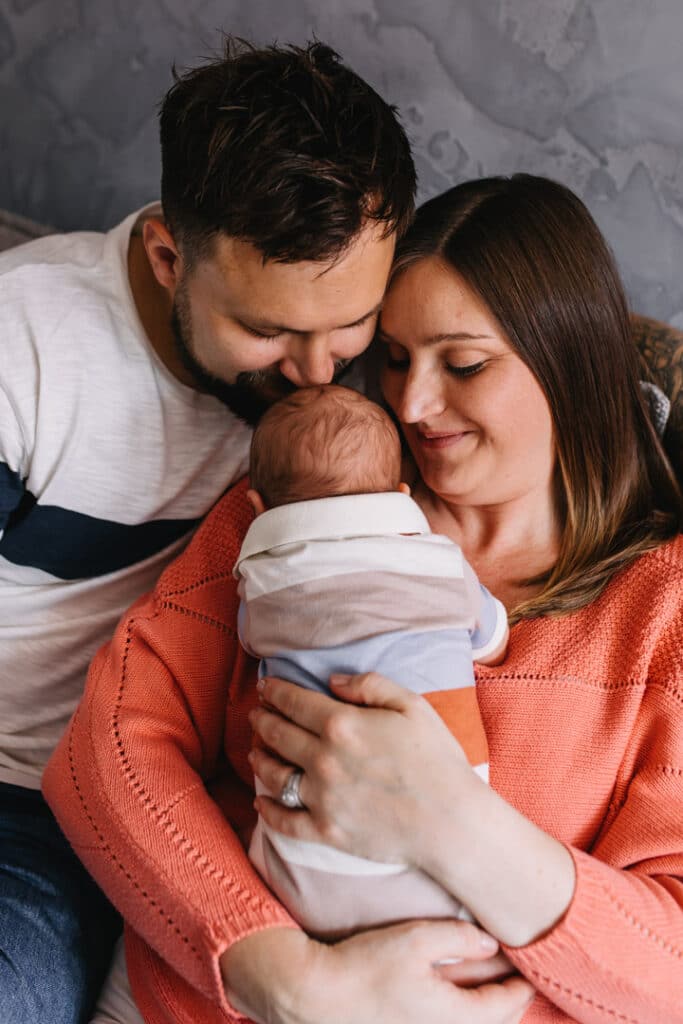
[(349, 515)]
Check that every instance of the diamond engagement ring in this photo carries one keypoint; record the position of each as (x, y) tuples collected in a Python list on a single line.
[(290, 795)]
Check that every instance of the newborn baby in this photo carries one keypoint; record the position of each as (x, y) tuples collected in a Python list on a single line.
[(339, 573)]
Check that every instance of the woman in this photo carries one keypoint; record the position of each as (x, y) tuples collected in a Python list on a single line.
[(508, 363)]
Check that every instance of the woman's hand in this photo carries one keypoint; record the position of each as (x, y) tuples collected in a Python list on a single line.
[(280, 976), (376, 778), (388, 781)]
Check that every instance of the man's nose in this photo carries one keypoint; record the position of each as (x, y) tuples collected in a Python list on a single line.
[(310, 362)]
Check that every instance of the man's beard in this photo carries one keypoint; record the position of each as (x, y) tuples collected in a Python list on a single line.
[(252, 393)]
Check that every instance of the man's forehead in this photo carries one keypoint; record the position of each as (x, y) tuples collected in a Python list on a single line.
[(350, 287), (230, 254), (236, 257)]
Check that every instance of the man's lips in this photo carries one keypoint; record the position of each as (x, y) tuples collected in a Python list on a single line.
[(440, 439)]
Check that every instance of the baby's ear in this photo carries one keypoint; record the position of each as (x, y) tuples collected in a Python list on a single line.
[(403, 488), (256, 502)]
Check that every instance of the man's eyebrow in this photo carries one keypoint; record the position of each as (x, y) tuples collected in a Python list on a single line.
[(434, 339), (265, 325)]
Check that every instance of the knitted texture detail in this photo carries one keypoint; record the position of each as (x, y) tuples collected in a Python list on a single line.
[(153, 787)]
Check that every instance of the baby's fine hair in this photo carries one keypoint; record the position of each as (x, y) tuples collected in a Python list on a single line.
[(321, 442)]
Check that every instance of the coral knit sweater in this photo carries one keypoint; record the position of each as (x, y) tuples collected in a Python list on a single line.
[(585, 728)]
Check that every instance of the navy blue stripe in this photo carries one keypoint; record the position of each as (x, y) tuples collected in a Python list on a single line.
[(11, 492), (72, 545)]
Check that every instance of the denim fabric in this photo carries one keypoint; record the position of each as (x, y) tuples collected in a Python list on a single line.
[(57, 930)]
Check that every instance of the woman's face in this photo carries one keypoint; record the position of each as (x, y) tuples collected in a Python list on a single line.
[(474, 415)]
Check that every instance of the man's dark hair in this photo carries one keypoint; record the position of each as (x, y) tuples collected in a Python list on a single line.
[(283, 147)]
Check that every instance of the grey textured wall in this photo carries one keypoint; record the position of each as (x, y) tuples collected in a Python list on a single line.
[(586, 91)]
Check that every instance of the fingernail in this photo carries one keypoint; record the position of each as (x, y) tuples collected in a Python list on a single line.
[(261, 685), (447, 961), (488, 942), (340, 680)]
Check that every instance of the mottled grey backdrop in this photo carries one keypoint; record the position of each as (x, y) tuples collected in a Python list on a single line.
[(586, 91)]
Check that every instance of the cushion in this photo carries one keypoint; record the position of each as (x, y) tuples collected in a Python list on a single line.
[(661, 356), (15, 229)]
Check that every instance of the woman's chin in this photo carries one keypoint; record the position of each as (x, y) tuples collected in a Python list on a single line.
[(447, 483), (441, 473)]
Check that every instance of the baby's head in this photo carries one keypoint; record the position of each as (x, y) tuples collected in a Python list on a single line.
[(321, 442)]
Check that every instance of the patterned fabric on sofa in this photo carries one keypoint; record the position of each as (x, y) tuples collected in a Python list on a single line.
[(661, 355)]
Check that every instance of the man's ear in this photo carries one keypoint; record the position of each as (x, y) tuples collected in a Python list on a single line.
[(163, 254), (404, 489), (256, 502)]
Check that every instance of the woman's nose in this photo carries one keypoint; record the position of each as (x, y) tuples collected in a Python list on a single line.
[(310, 362), (421, 398)]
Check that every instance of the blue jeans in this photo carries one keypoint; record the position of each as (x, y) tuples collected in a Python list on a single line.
[(57, 930)]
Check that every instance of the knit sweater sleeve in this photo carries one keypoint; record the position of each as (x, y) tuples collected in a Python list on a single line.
[(128, 781), (617, 954)]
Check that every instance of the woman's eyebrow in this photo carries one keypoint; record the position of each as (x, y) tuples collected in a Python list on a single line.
[(434, 339), (456, 336)]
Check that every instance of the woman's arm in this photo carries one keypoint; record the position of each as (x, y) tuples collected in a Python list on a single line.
[(128, 784), (599, 939), (128, 780), (386, 976), (409, 801)]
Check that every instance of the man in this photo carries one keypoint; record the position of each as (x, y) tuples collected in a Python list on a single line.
[(133, 363)]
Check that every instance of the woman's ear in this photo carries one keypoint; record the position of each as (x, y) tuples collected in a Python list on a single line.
[(256, 502)]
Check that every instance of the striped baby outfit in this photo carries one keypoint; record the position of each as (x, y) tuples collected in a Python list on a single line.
[(354, 584)]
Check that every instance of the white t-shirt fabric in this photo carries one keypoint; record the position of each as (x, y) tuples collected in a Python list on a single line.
[(107, 463)]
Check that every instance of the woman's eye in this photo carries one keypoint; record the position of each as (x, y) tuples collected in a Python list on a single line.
[(466, 371)]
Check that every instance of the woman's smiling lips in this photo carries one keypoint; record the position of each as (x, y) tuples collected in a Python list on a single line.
[(441, 439)]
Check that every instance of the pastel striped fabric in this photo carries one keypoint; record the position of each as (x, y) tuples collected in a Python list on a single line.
[(353, 584)]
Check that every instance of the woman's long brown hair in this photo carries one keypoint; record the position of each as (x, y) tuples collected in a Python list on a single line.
[(531, 250)]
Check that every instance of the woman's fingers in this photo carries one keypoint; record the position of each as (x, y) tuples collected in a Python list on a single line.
[(406, 954), (313, 710), (289, 741), (372, 690), (292, 823), (362, 796), (439, 941), (468, 973), (384, 976), (271, 771), (503, 1002), (305, 708), (291, 718)]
